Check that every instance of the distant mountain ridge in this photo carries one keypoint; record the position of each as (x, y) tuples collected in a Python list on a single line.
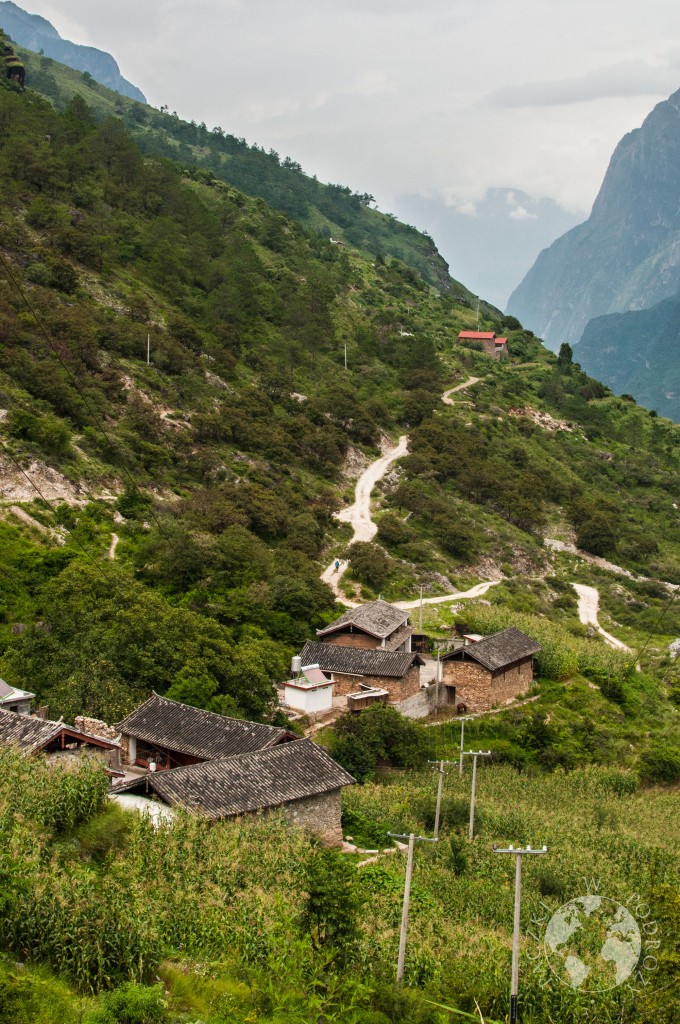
[(626, 256), (36, 33)]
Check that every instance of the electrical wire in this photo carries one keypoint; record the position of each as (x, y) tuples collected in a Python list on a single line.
[(53, 508)]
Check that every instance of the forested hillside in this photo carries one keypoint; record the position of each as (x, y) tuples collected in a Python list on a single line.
[(190, 382)]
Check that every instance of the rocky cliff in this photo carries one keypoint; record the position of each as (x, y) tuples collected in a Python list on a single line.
[(626, 256), (36, 33)]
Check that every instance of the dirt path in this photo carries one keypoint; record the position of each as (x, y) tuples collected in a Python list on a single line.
[(588, 608), (478, 590), (459, 387), (602, 563), (114, 544)]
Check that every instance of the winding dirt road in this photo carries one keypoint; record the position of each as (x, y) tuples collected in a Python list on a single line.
[(588, 608), (359, 518)]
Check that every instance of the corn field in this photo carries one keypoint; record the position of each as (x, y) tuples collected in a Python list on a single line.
[(224, 900)]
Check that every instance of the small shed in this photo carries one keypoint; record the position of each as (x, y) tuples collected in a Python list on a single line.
[(362, 699), (14, 699), (299, 778), (310, 692), (490, 671)]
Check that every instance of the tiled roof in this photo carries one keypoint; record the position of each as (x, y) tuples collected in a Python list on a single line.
[(250, 782), (398, 638), (32, 734), (378, 618), (29, 734), (188, 730), (498, 650), (477, 335), (358, 661)]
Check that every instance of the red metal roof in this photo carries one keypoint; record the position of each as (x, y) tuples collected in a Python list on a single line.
[(501, 341), (478, 335)]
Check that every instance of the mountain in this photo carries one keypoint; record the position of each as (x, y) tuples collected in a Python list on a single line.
[(637, 353), (327, 210), (626, 256), (36, 33), (490, 243)]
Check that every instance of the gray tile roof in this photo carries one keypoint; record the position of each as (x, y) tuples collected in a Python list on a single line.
[(32, 734), (187, 730), (358, 661), (250, 782), (498, 650), (378, 618)]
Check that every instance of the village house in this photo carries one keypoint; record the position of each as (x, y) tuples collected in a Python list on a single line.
[(38, 735), (350, 668), (373, 625), (297, 778), (168, 734), (492, 345), (490, 671), (13, 699)]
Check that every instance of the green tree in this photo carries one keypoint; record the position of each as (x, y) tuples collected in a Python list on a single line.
[(332, 904)]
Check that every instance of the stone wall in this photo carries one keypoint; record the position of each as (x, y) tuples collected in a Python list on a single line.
[(480, 690), (398, 689), (423, 703), (319, 814)]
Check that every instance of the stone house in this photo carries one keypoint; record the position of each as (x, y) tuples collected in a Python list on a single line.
[(169, 734), (349, 668), (298, 778), (376, 625), (38, 735), (491, 344), (492, 671)]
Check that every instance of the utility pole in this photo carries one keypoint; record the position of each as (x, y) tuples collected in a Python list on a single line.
[(518, 853), (345, 355), (148, 349), (474, 754), (440, 786), (407, 896), (420, 623), (467, 718)]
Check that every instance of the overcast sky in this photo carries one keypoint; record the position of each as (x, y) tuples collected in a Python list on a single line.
[(444, 98)]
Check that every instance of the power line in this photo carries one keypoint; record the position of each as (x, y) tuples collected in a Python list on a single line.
[(95, 417), (52, 507)]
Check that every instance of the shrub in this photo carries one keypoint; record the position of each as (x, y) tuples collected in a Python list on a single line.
[(131, 1004), (661, 763)]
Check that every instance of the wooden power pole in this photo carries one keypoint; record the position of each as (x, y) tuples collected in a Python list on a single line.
[(474, 754), (412, 839), (517, 853), (440, 786)]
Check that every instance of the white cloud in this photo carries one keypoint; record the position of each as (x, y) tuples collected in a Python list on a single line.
[(521, 213)]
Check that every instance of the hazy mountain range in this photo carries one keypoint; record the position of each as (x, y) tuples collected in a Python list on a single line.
[(625, 259), (36, 33)]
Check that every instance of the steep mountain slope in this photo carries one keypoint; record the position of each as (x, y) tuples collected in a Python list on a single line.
[(639, 353), (36, 33), (627, 254), (326, 210), (219, 459)]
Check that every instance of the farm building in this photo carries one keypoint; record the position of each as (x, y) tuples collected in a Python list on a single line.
[(13, 699), (38, 735), (490, 671), (298, 778), (398, 672), (168, 734), (376, 625), (491, 344)]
